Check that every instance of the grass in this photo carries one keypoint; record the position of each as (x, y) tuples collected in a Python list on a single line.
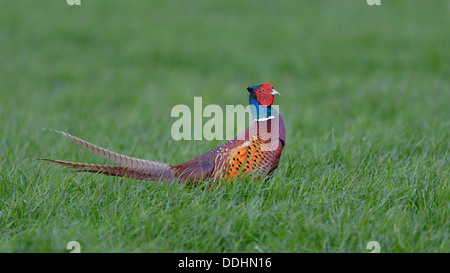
[(365, 100)]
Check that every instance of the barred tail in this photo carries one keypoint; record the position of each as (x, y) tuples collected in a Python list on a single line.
[(115, 170), (129, 166)]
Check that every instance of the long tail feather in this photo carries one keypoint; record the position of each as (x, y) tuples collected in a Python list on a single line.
[(103, 169), (120, 159), (129, 166)]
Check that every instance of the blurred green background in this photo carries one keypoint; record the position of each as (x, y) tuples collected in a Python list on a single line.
[(365, 94)]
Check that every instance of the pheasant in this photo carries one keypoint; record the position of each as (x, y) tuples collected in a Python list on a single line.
[(255, 152)]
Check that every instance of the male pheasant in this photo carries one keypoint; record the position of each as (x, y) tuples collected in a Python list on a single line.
[(255, 152)]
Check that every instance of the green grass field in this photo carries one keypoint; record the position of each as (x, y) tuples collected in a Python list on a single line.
[(365, 96)]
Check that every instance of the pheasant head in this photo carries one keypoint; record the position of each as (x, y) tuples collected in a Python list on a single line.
[(262, 98)]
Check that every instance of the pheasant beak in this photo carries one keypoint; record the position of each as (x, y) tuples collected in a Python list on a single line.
[(275, 92)]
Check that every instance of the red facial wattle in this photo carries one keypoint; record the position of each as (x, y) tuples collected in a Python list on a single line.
[(265, 98), (264, 94)]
